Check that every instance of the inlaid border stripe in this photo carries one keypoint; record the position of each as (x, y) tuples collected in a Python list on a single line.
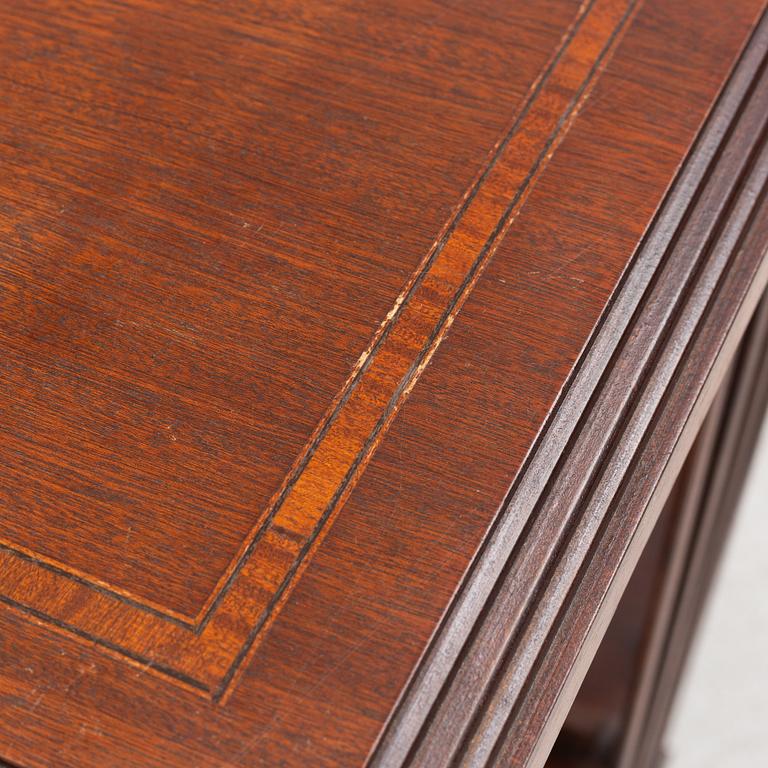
[(260, 579), (434, 305)]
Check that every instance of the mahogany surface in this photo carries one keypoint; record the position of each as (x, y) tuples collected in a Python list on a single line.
[(350, 352)]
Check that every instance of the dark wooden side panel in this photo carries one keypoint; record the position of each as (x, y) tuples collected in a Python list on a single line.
[(748, 397), (617, 718), (601, 718)]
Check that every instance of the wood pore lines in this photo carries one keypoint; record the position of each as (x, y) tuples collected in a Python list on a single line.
[(209, 654)]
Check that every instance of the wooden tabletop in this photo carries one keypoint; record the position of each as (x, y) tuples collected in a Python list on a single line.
[(333, 336)]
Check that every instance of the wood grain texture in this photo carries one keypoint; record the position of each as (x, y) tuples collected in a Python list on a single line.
[(686, 511), (203, 648), (511, 567), (196, 283), (244, 601), (289, 311)]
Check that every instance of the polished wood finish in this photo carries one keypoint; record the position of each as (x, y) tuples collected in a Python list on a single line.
[(350, 354), (215, 331)]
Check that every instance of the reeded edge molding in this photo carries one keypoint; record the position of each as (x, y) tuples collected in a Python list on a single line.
[(407, 735), (565, 658), (674, 410), (747, 393)]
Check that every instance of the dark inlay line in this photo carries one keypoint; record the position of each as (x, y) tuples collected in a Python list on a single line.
[(404, 382), (184, 623), (351, 385), (701, 139), (143, 660)]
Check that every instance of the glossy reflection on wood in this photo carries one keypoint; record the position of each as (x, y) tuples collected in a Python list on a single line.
[(291, 296)]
